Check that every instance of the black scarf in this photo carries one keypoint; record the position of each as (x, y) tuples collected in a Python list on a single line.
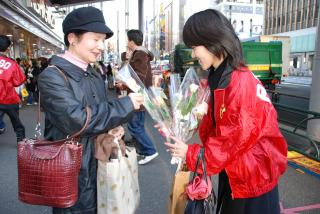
[(213, 81)]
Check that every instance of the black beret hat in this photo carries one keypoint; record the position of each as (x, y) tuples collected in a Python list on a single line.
[(88, 19)]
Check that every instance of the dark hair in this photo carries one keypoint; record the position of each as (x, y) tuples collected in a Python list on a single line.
[(136, 36), (78, 34), (18, 60), (5, 42), (34, 63), (213, 30), (124, 56), (43, 62)]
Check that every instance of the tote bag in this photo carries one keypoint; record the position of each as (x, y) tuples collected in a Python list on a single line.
[(178, 198), (117, 184)]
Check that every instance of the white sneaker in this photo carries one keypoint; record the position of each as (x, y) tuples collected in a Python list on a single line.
[(148, 158)]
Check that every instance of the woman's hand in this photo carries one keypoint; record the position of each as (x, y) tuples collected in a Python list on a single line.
[(136, 99), (164, 132), (178, 149)]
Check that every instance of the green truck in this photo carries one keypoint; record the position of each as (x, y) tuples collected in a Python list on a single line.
[(264, 59)]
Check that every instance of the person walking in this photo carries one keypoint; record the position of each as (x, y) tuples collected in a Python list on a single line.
[(65, 96), (11, 76), (110, 77), (240, 134), (140, 62), (32, 82)]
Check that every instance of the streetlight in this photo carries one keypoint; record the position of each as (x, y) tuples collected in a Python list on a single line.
[(230, 10)]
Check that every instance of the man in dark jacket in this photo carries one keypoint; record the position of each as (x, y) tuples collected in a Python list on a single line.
[(11, 76), (140, 62)]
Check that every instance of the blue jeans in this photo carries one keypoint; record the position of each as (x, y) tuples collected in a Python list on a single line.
[(136, 128)]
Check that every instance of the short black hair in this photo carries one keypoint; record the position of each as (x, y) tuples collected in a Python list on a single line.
[(18, 60), (5, 42), (78, 34), (211, 29), (136, 36)]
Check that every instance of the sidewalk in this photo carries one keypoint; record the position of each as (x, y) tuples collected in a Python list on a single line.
[(296, 80), (298, 191)]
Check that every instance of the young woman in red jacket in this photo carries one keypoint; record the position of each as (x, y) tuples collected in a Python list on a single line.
[(240, 135)]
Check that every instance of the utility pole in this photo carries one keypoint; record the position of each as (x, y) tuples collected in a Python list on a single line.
[(118, 37), (127, 15), (314, 125)]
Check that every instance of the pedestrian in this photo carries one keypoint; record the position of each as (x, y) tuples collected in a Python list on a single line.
[(240, 134), (110, 76), (140, 62), (32, 82), (43, 63), (64, 98), (102, 69), (21, 87), (11, 76)]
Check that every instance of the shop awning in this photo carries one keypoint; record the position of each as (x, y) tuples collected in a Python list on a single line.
[(30, 25), (71, 2)]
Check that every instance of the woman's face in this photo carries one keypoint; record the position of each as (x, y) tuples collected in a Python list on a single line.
[(88, 46), (206, 58)]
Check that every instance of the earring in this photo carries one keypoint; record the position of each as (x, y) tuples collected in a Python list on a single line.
[(73, 44)]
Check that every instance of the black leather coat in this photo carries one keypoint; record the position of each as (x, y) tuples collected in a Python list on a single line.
[(64, 105)]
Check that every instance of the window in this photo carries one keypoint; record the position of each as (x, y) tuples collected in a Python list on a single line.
[(299, 16), (317, 10)]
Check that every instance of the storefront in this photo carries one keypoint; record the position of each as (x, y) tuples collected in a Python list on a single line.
[(31, 36)]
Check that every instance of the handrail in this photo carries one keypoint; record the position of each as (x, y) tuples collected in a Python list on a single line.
[(288, 95), (314, 144), (302, 152), (297, 109)]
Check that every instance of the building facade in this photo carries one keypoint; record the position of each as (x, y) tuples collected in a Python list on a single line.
[(163, 24), (297, 19), (290, 15), (30, 25), (246, 16)]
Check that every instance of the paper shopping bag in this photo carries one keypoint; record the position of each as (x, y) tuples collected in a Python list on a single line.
[(117, 185), (177, 197)]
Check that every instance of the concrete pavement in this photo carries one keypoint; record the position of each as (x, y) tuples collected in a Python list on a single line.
[(298, 192)]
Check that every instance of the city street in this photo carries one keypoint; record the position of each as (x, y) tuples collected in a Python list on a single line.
[(298, 191), (277, 40), (296, 95)]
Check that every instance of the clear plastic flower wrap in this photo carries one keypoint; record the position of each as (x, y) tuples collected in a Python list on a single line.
[(128, 76), (154, 98), (189, 103)]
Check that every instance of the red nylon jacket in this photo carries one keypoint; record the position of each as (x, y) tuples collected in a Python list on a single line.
[(11, 76), (246, 141)]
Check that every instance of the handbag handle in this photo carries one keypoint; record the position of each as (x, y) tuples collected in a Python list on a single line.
[(88, 110), (203, 163)]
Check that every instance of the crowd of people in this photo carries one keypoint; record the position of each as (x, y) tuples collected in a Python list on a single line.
[(239, 135), (17, 75)]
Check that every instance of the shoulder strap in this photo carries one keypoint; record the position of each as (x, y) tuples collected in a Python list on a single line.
[(38, 130)]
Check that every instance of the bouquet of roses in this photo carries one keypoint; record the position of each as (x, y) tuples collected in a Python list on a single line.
[(189, 103), (154, 98)]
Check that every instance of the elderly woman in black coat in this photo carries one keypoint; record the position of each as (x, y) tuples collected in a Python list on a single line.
[(64, 100)]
